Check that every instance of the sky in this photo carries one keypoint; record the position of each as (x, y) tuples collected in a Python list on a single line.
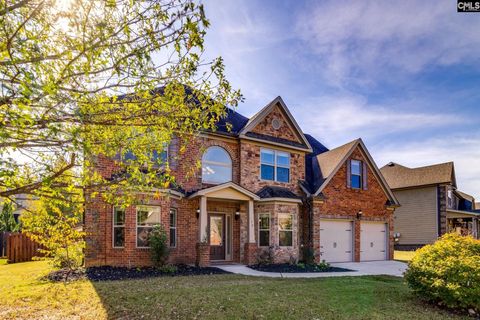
[(404, 76)]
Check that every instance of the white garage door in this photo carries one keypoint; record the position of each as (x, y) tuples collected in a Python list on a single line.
[(373, 241), (336, 241)]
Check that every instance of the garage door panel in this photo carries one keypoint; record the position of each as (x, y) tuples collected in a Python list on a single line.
[(336, 240), (373, 241)]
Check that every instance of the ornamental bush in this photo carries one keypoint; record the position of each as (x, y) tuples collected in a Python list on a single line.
[(159, 248), (447, 272)]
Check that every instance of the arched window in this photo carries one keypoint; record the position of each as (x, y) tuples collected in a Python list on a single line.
[(216, 166)]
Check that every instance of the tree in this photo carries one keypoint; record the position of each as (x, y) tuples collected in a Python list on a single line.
[(54, 221), (81, 79), (7, 219)]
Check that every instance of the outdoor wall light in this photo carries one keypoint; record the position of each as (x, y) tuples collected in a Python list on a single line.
[(237, 214), (359, 214), (198, 213)]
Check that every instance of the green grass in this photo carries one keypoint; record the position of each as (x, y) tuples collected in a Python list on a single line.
[(404, 256), (207, 297)]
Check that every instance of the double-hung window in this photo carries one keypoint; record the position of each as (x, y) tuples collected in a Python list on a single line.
[(274, 165), (285, 230), (173, 227), (264, 230), (147, 217), (118, 227), (356, 174)]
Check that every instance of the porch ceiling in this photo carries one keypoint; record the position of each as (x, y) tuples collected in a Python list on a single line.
[(461, 214)]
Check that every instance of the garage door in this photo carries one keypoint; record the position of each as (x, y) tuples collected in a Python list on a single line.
[(373, 241), (336, 240)]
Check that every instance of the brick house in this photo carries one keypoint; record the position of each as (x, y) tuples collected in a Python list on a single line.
[(263, 186)]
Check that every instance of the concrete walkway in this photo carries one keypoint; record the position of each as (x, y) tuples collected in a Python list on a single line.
[(391, 268)]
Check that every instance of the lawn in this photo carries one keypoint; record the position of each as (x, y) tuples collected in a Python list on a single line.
[(24, 296), (404, 256)]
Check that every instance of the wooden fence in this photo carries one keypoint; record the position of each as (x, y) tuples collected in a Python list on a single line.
[(21, 248)]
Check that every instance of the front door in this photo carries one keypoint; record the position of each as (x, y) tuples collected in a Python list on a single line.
[(217, 237)]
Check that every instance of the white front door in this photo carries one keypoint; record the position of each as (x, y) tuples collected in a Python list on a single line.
[(336, 241), (373, 241)]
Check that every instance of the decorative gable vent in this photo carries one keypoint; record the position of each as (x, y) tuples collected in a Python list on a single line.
[(276, 124)]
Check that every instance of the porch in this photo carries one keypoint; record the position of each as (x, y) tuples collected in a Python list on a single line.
[(226, 224), (464, 223)]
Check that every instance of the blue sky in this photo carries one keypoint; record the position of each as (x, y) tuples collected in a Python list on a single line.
[(403, 76)]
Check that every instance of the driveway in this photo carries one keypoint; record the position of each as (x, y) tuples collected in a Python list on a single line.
[(391, 268)]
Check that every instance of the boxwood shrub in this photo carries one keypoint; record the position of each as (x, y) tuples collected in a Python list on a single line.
[(447, 272)]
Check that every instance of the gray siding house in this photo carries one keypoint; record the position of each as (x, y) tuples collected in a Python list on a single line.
[(431, 205)]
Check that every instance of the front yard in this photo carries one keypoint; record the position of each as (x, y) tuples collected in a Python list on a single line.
[(24, 296)]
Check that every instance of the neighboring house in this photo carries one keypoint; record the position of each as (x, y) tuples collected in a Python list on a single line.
[(431, 204), (263, 185)]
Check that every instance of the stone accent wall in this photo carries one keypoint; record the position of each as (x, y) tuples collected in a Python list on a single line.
[(250, 169), (275, 209), (286, 130), (344, 203), (442, 208)]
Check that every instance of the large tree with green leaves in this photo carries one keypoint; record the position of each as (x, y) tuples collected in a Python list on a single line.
[(80, 78)]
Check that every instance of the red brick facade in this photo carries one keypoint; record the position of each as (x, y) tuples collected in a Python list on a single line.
[(341, 202)]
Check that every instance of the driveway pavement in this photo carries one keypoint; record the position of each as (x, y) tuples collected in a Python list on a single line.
[(391, 268)]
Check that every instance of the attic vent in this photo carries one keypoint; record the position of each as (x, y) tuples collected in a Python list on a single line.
[(391, 164), (276, 124)]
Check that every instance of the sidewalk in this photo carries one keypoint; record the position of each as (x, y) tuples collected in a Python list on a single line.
[(391, 268)]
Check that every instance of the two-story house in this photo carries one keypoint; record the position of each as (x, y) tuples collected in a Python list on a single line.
[(431, 204), (263, 185)]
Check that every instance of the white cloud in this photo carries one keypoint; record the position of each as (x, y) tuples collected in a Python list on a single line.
[(463, 150), (338, 119), (358, 40)]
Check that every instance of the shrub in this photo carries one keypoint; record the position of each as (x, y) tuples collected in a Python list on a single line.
[(447, 272), (308, 254), (159, 249), (168, 268), (265, 256), (323, 265)]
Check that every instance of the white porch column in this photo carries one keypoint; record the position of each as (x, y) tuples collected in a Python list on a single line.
[(203, 219), (251, 222)]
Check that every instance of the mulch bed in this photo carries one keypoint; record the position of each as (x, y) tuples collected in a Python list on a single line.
[(121, 273), (294, 268)]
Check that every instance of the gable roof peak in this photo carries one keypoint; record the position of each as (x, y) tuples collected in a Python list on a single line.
[(260, 115), (330, 162)]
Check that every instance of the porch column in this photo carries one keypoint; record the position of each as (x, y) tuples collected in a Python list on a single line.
[(475, 228), (251, 222), (203, 219)]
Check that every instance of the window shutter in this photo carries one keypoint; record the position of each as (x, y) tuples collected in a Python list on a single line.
[(349, 172), (365, 176)]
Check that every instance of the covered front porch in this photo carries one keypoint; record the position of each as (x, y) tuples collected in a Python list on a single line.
[(226, 224), (464, 223)]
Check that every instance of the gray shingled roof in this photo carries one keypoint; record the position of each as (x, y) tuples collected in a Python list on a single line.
[(399, 176), (276, 192)]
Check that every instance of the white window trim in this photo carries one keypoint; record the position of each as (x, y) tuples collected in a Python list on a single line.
[(118, 226), (221, 164), (293, 233), (269, 230), (147, 226), (170, 227), (275, 165), (354, 174)]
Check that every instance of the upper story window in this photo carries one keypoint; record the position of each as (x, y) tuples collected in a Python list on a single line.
[(356, 174), (216, 166), (274, 165), (158, 157)]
